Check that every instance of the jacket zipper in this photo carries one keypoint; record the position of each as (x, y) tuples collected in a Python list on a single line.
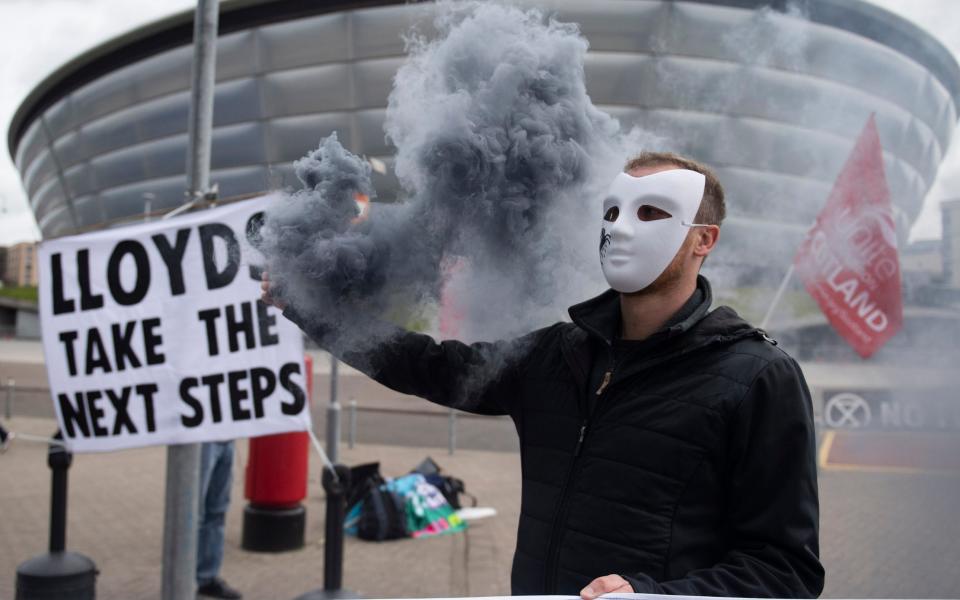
[(605, 382), (553, 549)]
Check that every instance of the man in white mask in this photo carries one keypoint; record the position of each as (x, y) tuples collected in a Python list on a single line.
[(665, 448)]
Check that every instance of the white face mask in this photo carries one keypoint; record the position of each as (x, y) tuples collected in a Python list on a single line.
[(645, 220)]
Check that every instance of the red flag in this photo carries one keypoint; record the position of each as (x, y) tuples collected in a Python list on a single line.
[(848, 262)]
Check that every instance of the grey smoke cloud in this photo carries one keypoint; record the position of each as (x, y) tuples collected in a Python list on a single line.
[(312, 250), (499, 153)]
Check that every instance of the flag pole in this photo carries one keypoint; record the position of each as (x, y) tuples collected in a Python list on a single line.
[(777, 297)]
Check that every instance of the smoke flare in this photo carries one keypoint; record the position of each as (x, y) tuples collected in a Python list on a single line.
[(499, 154)]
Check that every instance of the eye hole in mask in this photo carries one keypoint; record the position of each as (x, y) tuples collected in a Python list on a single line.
[(652, 213), (612, 213)]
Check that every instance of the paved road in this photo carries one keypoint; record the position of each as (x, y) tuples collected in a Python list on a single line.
[(885, 531)]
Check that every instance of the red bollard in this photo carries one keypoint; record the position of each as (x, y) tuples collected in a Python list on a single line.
[(276, 483)]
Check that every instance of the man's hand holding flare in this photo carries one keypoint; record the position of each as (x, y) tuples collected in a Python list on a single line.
[(265, 295)]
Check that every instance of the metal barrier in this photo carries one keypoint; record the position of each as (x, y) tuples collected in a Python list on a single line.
[(452, 416), (8, 407), (16, 400)]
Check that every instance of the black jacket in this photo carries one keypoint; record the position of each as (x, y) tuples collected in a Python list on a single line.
[(692, 473)]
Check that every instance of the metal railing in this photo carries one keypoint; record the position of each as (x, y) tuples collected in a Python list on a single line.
[(15, 401), (452, 416), (16, 395)]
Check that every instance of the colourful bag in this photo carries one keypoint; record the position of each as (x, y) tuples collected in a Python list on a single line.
[(427, 511)]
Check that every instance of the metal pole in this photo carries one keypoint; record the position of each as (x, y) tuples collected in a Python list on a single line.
[(335, 484), (452, 432), (352, 431), (8, 409), (776, 298), (179, 569), (147, 205), (59, 459), (333, 413)]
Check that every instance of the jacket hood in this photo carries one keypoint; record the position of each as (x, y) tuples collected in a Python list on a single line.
[(599, 318)]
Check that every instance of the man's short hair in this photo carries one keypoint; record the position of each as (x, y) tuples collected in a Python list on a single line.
[(712, 207)]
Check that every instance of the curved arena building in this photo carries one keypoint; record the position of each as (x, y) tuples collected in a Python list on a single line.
[(772, 98)]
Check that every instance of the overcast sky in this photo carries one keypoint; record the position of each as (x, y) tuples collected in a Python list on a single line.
[(37, 36)]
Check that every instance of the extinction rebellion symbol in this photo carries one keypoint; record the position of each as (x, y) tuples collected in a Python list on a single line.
[(847, 411)]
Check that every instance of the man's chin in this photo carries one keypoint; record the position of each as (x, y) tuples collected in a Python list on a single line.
[(666, 282)]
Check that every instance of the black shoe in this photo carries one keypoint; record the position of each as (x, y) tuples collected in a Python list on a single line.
[(218, 588)]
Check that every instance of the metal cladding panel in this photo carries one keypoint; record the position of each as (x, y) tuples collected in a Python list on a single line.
[(106, 95), (763, 195), (111, 132), (735, 90), (724, 33), (79, 180), (622, 78), (49, 197), (33, 142), (129, 200), (88, 211), (57, 222), (858, 64), (370, 133), (945, 121), (162, 117), (236, 55), (751, 242), (60, 118), (306, 91), (161, 158), (237, 146), (291, 138), (921, 148), (303, 42), (613, 25), (373, 81), (165, 73), (907, 188), (282, 176), (237, 182), (41, 170), (378, 32), (69, 150), (120, 167), (235, 102)]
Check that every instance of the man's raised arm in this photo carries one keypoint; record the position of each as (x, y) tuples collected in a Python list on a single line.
[(479, 378)]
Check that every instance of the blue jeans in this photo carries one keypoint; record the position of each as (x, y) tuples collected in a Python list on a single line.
[(216, 473)]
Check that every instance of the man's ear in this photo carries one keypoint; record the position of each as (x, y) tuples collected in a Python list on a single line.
[(705, 238)]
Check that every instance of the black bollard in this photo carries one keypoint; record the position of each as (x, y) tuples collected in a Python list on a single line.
[(336, 490), (57, 574)]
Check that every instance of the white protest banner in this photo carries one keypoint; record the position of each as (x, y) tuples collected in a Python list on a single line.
[(154, 334)]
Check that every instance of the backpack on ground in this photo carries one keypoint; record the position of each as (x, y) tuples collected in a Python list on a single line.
[(381, 514), (449, 486)]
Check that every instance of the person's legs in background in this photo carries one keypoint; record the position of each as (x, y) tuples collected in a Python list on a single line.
[(216, 475)]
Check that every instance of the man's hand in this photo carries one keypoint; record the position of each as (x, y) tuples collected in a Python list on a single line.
[(606, 585), (265, 293)]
